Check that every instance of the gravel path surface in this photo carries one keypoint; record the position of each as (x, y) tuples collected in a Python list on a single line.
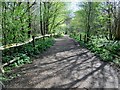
[(66, 65)]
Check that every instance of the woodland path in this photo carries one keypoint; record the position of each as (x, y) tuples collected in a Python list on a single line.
[(66, 65)]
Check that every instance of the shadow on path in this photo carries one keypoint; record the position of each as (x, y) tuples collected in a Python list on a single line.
[(66, 65)]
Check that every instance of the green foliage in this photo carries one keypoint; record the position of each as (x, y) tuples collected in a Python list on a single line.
[(98, 25), (23, 53), (107, 50), (86, 16), (42, 45), (15, 26), (102, 47), (58, 35), (20, 60), (3, 78)]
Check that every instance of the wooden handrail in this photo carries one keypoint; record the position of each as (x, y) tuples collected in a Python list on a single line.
[(15, 45), (20, 44), (7, 63)]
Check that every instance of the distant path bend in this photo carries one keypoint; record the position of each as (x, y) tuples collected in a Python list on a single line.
[(67, 65)]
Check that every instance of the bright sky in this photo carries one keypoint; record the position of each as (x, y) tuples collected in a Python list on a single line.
[(72, 6)]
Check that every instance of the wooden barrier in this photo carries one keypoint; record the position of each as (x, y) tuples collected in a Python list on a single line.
[(20, 44), (6, 64), (16, 45)]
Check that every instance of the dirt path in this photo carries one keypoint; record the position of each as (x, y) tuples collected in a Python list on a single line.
[(67, 65)]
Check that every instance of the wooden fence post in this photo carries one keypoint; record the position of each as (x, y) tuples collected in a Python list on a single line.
[(84, 38), (80, 37), (33, 37)]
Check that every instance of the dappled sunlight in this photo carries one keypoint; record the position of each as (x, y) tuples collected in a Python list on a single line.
[(74, 68), (54, 44)]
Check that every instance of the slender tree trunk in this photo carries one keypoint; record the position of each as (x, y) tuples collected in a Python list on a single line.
[(47, 25), (47, 17), (29, 19), (3, 23), (109, 20), (41, 26), (88, 21), (117, 34), (44, 18)]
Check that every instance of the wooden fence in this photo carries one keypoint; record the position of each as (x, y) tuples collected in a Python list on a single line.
[(20, 44), (17, 45)]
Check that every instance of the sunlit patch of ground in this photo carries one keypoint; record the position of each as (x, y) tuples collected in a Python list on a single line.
[(66, 65)]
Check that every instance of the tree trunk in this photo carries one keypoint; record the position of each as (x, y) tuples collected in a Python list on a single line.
[(117, 34), (88, 21), (4, 23), (109, 21), (41, 21), (29, 19)]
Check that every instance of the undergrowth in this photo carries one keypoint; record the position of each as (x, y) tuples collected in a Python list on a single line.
[(58, 35), (23, 55), (107, 50)]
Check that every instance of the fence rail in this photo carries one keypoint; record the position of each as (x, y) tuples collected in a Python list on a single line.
[(16, 45), (20, 44)]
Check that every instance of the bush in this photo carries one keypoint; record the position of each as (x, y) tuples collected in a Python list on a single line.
[(25, 52), (58, 35), (102, 47)]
